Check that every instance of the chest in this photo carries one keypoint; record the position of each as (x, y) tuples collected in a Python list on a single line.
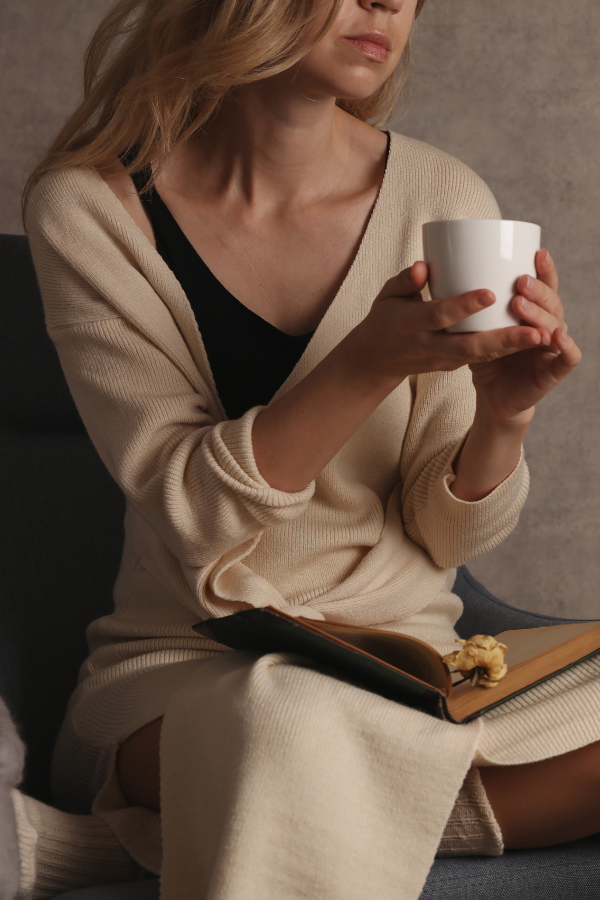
[(286, 265)]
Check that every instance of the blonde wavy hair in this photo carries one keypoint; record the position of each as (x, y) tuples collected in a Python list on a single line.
[(156, 72)]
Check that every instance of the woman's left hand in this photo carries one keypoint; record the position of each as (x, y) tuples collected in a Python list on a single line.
[(508, 388)]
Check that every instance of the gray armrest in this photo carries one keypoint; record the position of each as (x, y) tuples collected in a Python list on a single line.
[(485, 614)]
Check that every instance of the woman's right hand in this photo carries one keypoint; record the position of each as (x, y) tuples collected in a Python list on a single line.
[(404, 335)]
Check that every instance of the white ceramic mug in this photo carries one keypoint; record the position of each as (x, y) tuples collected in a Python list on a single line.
[(473, 254)]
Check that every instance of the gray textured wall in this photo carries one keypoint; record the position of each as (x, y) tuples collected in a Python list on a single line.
[(41, 49), (513, 90)]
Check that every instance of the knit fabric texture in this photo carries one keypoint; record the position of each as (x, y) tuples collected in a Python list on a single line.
[(61, 852), (374, 540)]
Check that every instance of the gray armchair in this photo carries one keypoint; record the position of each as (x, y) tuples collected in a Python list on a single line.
[(62, 521)]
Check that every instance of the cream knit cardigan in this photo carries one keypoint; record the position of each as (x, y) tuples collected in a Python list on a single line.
[(374, 540)]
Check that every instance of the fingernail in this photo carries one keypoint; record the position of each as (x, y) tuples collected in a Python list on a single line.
[(486, 299), (530, 340), (524, 303), (545, 256), (561, 334), (528, 283)]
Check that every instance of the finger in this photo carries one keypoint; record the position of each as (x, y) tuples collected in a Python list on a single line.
[(407, 283), (419, 272), (484, 346), (545, 297), (569, 354), (546, 270), (440, 314), (537, 316)]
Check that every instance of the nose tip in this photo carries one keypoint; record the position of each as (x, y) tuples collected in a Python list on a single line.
[(393, 6)]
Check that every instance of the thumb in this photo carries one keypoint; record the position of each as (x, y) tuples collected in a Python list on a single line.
[(407, 283)]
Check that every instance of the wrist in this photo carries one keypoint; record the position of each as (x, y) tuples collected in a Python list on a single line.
[(489, 455), (363, 366), (511, 423)]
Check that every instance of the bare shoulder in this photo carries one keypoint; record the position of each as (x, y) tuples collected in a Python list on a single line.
[(124, 190)]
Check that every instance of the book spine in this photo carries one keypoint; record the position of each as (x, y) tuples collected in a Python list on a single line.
[(444, 713)]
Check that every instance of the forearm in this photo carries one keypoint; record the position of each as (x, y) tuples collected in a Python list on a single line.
[(297, 435), (489, 455)]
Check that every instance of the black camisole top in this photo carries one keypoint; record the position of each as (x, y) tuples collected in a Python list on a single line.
[(249, 358)]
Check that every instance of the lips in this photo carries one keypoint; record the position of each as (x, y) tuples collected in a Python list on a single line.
[(374, 45)]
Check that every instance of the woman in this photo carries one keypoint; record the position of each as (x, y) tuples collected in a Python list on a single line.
[(290, 425)]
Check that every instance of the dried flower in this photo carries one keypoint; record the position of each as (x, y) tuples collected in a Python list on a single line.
[(481, 659)]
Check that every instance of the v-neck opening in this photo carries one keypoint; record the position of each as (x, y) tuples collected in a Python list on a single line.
[(156, 198), (331, 310), (141, 178)]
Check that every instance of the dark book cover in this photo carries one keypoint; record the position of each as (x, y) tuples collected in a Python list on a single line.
[(267, 630)]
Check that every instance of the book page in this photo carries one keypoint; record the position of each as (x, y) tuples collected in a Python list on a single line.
[(526, 643), (533, 654), (406, 653)]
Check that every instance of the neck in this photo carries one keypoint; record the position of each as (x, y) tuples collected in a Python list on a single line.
[(271, 141)]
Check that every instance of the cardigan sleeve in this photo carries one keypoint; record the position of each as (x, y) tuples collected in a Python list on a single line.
[(192, 478), (451, 530)]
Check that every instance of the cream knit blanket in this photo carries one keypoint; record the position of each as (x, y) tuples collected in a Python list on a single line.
[(308, 788)]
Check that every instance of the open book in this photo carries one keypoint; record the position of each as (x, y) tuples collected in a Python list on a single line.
[(404, 668)]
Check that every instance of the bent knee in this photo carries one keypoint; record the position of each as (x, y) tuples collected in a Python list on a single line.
[(138, 766)]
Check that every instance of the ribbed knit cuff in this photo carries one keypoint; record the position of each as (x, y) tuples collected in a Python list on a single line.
[(233, 450), (459, 530), (60, 851), (472, 829), (28, 838)]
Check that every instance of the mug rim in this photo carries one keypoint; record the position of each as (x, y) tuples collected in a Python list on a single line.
[(491, 221)]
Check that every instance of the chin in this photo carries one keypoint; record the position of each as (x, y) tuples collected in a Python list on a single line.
[(357, 84), (349, 88), (340, 74), (356, 94)]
